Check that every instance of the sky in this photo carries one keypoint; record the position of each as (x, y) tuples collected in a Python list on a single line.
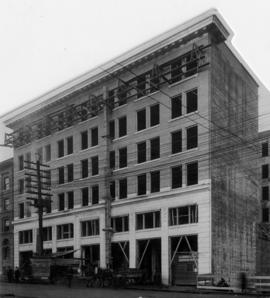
[(46, 43)]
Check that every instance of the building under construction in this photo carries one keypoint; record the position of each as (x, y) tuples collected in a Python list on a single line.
[(151, 160)]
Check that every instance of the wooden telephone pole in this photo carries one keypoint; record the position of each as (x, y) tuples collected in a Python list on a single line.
[(38, 184)]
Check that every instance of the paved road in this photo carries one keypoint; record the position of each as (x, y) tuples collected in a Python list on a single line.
[(62, 291)]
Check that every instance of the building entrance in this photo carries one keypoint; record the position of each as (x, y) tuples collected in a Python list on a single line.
[(120, 255), (184, 260), (149, 259)]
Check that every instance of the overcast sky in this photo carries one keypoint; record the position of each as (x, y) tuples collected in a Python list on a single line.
[(45, 43)]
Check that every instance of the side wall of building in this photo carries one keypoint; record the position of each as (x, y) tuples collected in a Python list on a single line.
[(235, 205)]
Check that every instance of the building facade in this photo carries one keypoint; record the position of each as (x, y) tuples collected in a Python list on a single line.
[(149, 159), (6, 215)]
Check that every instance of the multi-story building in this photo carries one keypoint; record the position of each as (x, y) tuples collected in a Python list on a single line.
[(151, 159), (6, 215)]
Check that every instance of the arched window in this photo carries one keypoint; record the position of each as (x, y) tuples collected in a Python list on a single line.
[(5, 249)]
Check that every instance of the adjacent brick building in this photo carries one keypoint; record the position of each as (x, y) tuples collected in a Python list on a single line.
[(6, 215), (151, 159)]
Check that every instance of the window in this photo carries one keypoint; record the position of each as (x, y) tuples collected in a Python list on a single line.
[(65, 231), (176, 106), (69, 145), (154, 115), (95, 194), (141, 85), (28, 156), (6, 225), (40, 154), (141, 119), (123, 157), (70, 172), (47, 233), (94, 136), (20, 161), (85, 196), (112, 189), (183, 215), (264, 149), (176, 141), (265, 215), (61, 175), (148, 220), (122, 94), (120, 224), (265, 193), (6, 204), (192, 137), (48, 152), (265, 171), (111, 98), (70, 199), (6, 183), (192, 173), (61, 201), (84, 140), (155, 181), (176, 71), (155, 148), (90, 228), (177, 177), (122, 122), (60, 148), (21, 210), (48, 205), (141, 152), (84, 168), (192, 101), (5, 249), (94, 161), (123, 188), (112, 159), (21, 186), (25, 237), (112, 129), (141, 180), (154, 78)]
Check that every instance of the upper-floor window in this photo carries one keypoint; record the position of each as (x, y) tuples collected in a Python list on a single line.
[(123, 157), (84, 168), (48, 152), (176, 71), (6, 183), (112, 129), (20, 161), (123, 188), (84, 139), (264, 149), (192, 137), (60, 145), (141, 181), (141, 119), (70, 174), (70, 197), (120, 224), (265, 214), (94, 136), (176, 141), (21, 186), (28, 156), (141, 85), (25, 236), (122, 122), (155, 148), (65, 231), (265, 193), (141, 152), (154, 115), (47, 233), (70, 145), (61, 175), (148, 220), (6, 224), (265, 171), (112, 189), (192, 173), (155, 181), (6, 204), (112, 159), (183, 215), (192, 100), (85, 196), (90, 228), (176, 106), (177, 176), (21, 210), (95, 169), (95, 194), (61, 201)]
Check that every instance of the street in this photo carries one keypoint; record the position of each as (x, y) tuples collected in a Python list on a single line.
[(62, 291)]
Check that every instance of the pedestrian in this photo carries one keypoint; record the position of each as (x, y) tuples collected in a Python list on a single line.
[(17, 274), (10, 274)]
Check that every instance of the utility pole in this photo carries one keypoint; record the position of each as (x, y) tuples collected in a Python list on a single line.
[(39, 187)]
